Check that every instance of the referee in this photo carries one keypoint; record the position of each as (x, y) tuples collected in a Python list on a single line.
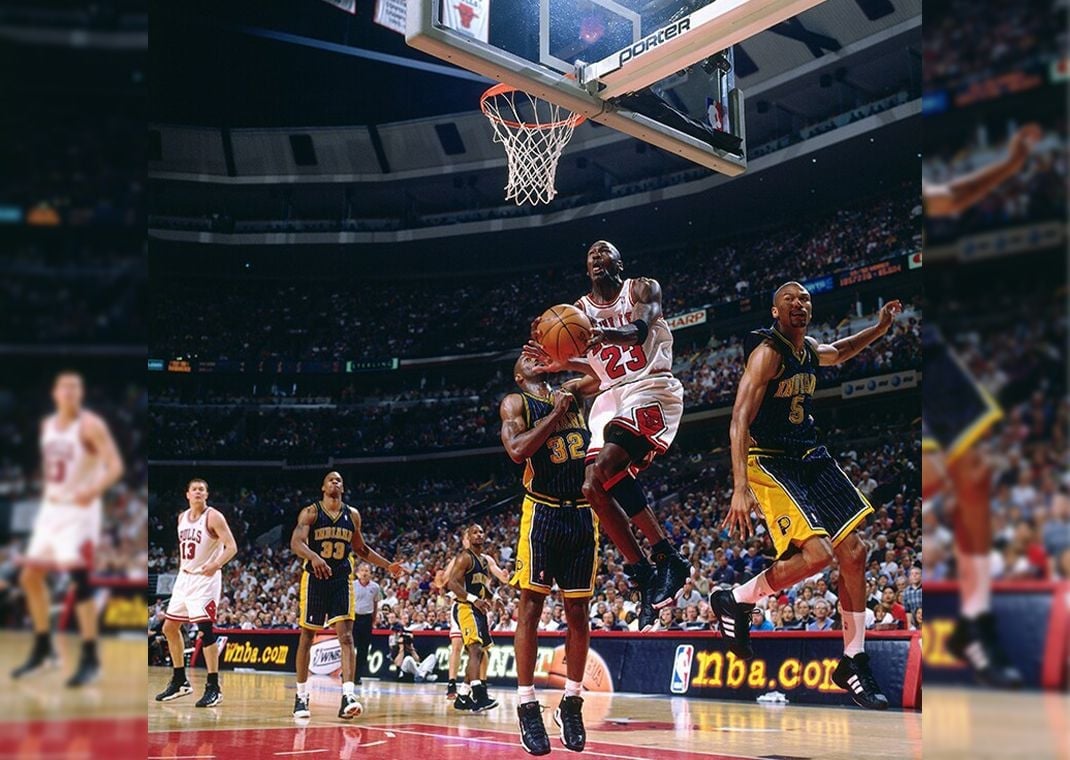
[(367, 594)]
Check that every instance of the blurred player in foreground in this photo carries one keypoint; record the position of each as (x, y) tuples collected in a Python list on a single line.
[(205, 544), (327, 597), (80, 462), (634, 418), (956, 413), (810, 506), (558, 540)]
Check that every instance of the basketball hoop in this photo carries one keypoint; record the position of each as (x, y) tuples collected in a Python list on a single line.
[(534, 132)]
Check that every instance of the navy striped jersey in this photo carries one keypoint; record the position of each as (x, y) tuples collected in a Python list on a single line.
[(332, 539), (475, 580), (784, 420), (556, 470)]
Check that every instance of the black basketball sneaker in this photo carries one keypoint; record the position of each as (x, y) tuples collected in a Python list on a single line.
[(301, 707), (175, 689), (733, 620), (854, 676), (569, 718), (976, 643), (212, 696), (533, 737), (88, 671)]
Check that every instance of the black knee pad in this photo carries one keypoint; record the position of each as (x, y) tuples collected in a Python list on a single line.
[(629, 495), (208, 634), (83, 589), (637, 446)]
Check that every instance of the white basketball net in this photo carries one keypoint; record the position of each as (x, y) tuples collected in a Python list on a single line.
[(534, 132)]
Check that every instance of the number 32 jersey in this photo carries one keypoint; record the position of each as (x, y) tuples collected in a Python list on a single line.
[(616, 365)]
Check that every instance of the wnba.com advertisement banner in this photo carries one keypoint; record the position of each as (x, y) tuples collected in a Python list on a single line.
[(799, 666)]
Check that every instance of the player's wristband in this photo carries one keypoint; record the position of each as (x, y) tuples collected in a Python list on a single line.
[(641, 331), (472, 598)]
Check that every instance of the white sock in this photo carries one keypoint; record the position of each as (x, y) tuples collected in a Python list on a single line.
[(463, 689), (854, 633), (525, 694), (753, 590), (348, 687), (573, 688), (476, 683), (975, 584), (302, 689)]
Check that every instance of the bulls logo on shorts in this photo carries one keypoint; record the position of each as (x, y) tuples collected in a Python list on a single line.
[(209, 609), (649, 420)]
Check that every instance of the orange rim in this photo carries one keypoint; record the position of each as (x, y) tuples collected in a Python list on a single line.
[(502, 88)]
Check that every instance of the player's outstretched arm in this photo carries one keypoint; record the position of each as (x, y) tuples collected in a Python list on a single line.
[(852, 345), (496, 570), (99, 439), (545, 365), (762, 367), (520, 442), (228, 547), (583, 387), (369, 554), (646, 294), (299, 543), (961, 193)]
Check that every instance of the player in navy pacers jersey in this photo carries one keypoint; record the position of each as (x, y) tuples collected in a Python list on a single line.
[(957, 413), (810, 506), (327, 533), (558, 543)]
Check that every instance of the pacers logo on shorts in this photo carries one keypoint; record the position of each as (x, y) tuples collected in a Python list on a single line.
[(784, 523)]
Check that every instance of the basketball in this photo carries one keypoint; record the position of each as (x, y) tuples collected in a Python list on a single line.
[(563, 332)]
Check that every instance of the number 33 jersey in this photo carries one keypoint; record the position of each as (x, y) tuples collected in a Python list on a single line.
[(332, 539), (616, 365)]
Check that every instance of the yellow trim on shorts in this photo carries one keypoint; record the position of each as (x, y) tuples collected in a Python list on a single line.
[(302, 607), (858, 516), (777, 503), (976, 430), (466, 621), (930, 446)]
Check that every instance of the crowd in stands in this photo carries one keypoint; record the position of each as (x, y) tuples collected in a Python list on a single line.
[(691, 492), (215, 424), (355, 317), (963, 46), (75, 291), (1021, 358), (63, 167)]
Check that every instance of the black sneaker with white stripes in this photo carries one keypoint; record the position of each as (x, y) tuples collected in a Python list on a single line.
[(174, 690), (854, 676), (349, 707), (43, 657), (569, 718), (642, 578), (301, 707), (733, 620), (976, 642)]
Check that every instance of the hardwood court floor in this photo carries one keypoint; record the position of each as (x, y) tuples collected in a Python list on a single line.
[(415, 721), (40, 717), (980, 724)]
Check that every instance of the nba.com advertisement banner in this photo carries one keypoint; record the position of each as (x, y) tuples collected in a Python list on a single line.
[(1032, 622), (798, 665)]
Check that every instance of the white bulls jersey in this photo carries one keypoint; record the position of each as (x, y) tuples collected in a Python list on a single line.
[(616, 365), (196, 544), (68, 464)]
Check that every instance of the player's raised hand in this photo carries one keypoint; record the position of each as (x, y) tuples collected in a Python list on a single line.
[(1023, 141), (562, 401), (320, 568), (543, 363), (888, 313), (395, 569), (598, 337), (738, 517)]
